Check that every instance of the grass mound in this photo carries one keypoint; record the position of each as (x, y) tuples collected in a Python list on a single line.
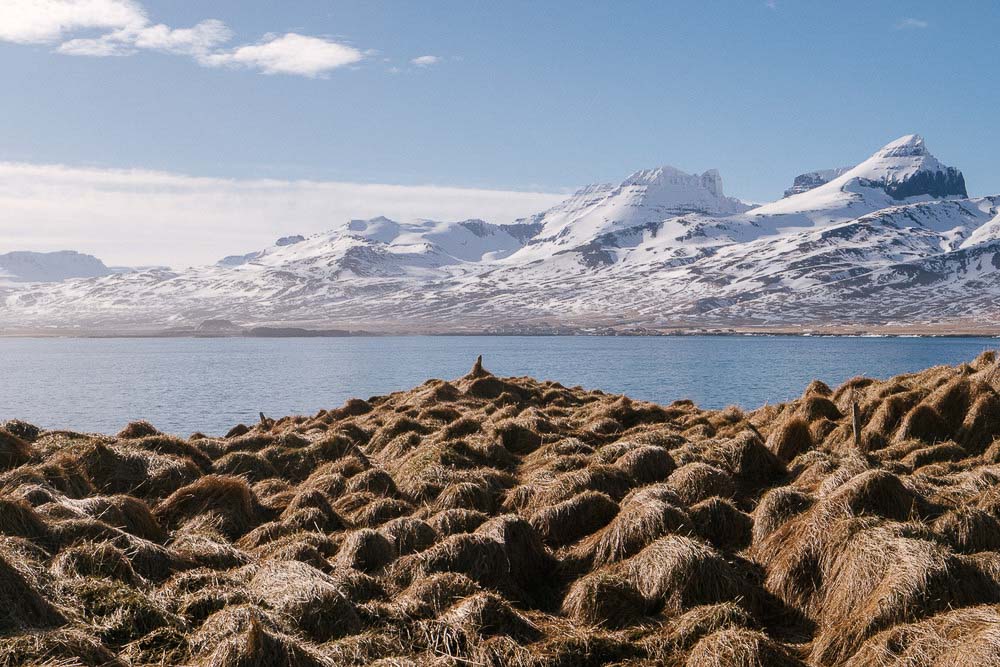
[(505, 521), (676, 573), (56, 648), (487, 615), (308, 600), (22, 604), (727, 648), (13, 450), (243, 638), (604, 598), (95, 560), (429, 596), (684, 631), (366, 550), (721, 524), (697, 481), (962, 638), (791, 438), (643, 518), (228, 499), (570, 520)]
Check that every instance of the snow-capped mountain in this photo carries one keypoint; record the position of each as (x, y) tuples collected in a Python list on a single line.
[(903, 171), (895, 239), (646, 197)]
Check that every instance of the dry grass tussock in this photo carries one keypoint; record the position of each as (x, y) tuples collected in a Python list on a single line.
[(506, 521)]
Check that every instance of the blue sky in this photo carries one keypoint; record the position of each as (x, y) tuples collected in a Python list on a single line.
[(541, 96)]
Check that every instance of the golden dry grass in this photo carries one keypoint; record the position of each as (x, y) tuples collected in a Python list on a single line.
[(507, 521)]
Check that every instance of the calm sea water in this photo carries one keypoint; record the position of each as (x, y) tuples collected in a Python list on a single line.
[(184, 385)]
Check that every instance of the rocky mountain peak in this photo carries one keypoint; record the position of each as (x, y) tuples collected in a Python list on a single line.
[(904, 168), (668, 189), (671, 178), (910, 145)]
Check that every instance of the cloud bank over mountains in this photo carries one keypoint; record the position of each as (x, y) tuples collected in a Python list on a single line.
[(139, 217)]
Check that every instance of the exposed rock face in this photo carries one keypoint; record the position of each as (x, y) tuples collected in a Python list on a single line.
[(938, 184), (478, 227), (814, 179), (522, 231)]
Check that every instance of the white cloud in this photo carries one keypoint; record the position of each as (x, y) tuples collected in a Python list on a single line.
[(288, 54), (42, 21), (144, 217), (426, 61), (196, 41), (911, 24), (127, 30), (199, 39), (100, 47)]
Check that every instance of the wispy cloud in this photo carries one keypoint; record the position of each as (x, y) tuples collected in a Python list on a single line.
[(771, 4), (135, 217), (426, 61), (910, 24), (127, 29)]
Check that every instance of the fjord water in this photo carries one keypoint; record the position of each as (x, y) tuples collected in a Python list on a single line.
[(183, 385)]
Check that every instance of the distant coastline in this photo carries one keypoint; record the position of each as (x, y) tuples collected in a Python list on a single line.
[(826, 331)]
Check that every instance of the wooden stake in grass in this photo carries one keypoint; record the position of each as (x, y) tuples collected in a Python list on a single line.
[(856, 419)]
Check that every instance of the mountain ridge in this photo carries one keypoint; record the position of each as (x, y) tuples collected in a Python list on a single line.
[(894, 239)]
